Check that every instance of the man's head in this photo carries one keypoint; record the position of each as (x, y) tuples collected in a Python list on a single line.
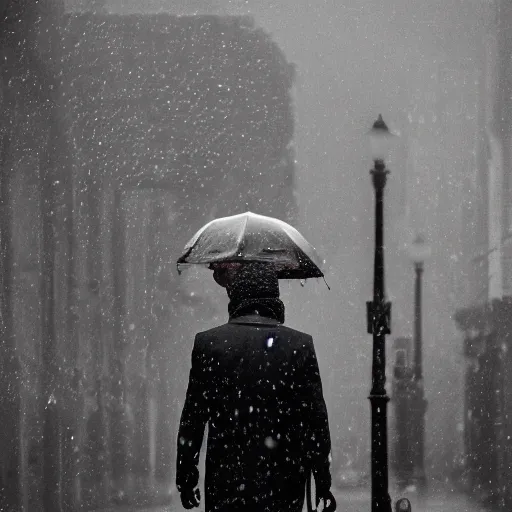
[(253, 280), (247, 280), (224, 273)]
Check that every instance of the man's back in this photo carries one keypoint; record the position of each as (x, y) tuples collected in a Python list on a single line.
[(257, 384)]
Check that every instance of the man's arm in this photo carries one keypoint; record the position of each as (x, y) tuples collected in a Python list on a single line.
[(318, 443), (193, 421)]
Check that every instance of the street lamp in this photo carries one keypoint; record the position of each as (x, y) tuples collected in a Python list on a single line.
[(419, 252), (379, 324)]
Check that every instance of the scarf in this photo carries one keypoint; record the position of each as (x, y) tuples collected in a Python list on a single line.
[(255, 290)]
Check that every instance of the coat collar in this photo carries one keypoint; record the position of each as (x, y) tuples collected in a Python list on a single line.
[(253, 320)]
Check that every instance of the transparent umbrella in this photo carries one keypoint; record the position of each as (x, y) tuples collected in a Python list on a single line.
[(252, 237)]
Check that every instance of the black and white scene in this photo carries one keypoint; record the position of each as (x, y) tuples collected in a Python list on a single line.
[(255, 255)]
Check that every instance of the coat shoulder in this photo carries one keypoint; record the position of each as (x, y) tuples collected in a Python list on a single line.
[(227, 330), (297, 334), (214, 331), (205, 337)]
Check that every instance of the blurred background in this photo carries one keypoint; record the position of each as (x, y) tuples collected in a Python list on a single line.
[(127, 125)]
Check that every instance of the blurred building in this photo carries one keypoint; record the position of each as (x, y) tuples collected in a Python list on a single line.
[(181, 119), (485, 316), (127, 134), (33, 175)]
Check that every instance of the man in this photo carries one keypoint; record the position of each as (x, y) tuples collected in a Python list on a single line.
[(257, 385)]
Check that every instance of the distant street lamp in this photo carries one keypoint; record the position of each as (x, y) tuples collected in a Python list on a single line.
[(379, 324), (419, 252)]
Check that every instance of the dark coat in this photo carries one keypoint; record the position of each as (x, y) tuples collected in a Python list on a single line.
[(257, 385)]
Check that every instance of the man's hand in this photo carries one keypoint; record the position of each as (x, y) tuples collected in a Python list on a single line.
[(326, 503), (190, 498)]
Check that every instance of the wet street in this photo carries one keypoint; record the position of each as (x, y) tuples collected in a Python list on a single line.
[(358, 500)]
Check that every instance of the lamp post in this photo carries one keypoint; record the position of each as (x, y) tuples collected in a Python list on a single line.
[(419, 252), (379, 323)]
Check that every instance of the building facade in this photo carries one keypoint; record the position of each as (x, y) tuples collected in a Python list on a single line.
[(484, 318), (147, 127)]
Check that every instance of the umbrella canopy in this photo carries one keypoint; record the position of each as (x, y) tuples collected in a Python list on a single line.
[(251, 237)]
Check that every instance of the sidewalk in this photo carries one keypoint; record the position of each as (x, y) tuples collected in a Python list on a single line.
[(440, 498), (138, 494)]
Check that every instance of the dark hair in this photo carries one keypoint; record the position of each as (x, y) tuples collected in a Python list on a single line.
[(254, 280)]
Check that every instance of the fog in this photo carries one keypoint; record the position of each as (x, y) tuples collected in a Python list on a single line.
[(418, 64)]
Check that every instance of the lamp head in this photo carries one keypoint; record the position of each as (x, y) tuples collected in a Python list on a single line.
[(380, 139), (419, 250)]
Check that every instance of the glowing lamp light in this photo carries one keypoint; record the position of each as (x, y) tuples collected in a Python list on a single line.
[(419, 250), (381, 140)]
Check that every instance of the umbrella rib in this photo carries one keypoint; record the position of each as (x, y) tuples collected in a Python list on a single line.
[(241, 236)]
